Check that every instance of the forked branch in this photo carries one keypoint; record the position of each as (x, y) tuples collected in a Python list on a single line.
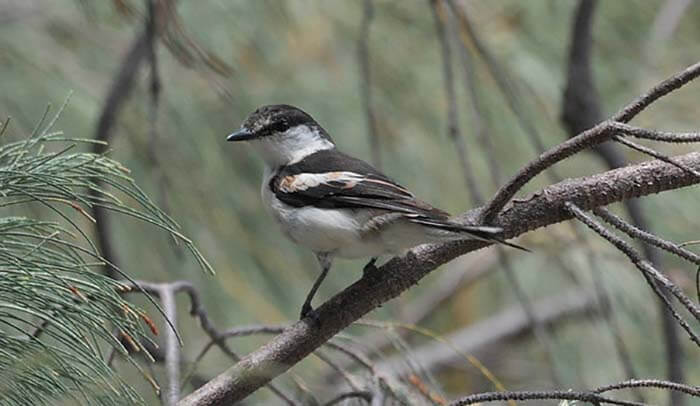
[(548, 206), (540, 209), (587, 139)]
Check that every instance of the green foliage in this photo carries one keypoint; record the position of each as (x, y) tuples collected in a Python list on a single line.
[(304, 53), (59, 316)]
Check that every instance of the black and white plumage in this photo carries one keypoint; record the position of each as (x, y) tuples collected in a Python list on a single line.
[(337, 205)]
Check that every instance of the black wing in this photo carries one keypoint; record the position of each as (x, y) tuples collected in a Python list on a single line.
[(331, 179)]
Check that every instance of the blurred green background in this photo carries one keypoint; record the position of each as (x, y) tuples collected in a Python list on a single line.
[(305, 53)]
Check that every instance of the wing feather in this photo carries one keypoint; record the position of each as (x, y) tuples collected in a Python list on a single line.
[(333, 180), (343, 189)]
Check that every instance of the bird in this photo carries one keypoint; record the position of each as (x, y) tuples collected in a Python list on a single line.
[(336, 205)]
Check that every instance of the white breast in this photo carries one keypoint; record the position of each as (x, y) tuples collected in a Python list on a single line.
[(336, 231)]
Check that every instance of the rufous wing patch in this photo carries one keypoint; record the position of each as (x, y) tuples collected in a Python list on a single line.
[(304, 181)]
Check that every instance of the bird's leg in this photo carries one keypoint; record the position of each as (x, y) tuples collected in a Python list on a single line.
[(370, 267), (325, 261)]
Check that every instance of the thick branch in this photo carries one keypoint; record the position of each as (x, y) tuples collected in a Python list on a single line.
[(587, 139), (543, 208)]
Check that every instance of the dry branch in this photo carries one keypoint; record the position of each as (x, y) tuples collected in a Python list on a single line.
[(166, 293), (587, 139), (548, 206), (540, 209), (592, 397), (654, 278), (587, 397), (646, 236)]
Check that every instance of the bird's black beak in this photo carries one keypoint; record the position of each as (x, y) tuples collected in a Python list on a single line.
[(242, 134)]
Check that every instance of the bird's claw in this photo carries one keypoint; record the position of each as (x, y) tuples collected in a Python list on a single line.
[(308, 313), (370, 268), (306, 309)]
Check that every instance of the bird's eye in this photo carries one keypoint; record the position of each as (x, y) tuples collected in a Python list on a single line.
[(278, 126)]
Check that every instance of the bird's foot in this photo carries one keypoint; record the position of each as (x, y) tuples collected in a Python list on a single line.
[(411, 256), (308, 313), (306, 309), (370, 268)]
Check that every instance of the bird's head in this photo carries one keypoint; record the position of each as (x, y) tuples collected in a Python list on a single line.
[(282, 134)]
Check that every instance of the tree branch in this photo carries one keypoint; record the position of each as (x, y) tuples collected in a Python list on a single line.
[(590, 396), (653, 277), (166, 293), (587, 139), (540, 209)]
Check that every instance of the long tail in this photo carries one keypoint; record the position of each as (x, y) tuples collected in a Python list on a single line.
[(483, 233)]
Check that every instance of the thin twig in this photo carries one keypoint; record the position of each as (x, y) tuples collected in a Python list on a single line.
[(155, 83), (651, 275), (662, 89), (592, 397), (197, 310), (656, 135), (476, 117), (645, 236), (653, 153), (587, 139), (581, 102), (651, 383), (355, 355), (588, 397), (608, 314)]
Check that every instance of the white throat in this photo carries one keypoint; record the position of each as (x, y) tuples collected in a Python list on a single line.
[(290, 147)]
